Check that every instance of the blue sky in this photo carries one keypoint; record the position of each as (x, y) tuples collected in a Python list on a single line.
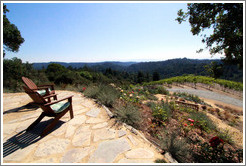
[(94, 32)]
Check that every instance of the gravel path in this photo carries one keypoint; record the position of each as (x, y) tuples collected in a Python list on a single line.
[(210, 95)]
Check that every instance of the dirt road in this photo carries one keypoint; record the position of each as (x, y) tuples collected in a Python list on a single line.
[(210, 95)]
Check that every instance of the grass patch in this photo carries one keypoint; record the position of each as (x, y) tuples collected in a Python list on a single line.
[(202, 121), (176, 146), (105, 94), (128, 114)]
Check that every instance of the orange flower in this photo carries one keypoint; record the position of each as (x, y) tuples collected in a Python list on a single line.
[(191, 124)]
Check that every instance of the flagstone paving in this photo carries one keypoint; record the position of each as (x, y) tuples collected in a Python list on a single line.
[(90, 137)]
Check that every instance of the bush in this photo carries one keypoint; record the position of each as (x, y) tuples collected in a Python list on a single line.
[(128, 114), (177, 147), (91, 91), (105, 94), (225, 136), (208, 154), (162, 90), (162, 111), (202, 121)]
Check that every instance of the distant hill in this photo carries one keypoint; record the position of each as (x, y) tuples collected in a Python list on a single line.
[(97, 65), (166, 69)]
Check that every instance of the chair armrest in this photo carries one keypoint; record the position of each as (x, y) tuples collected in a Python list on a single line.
[(46, 85), (40, 88), (52, 95), (57, 101)]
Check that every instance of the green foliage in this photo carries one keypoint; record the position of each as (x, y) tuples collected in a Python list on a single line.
[(128, 114), (207, 154), (92, 91), (226, 20), (156, 89), (162, 112), (105, 94), (176, 146), (86, 74), (214, 69), (200, 79), (14, 69), (12, 38), (156, 76), (160, 161), (225, 136), (189, 97), (202, 121)]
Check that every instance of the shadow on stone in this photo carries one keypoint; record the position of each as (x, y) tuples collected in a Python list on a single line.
[(25, 138), (25, 108)]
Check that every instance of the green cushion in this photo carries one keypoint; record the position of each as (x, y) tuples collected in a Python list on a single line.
[(43, 91), (59, 107)]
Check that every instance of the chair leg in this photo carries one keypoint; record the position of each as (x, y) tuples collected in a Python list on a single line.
[(71, 111), (53, 123), (36, 121)]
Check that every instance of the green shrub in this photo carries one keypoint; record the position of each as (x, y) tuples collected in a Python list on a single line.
[(107, 95), (128, 114), (202, 121), (177, 147), (225, 136), (162, 90), (162, 111), (160, 161), (92, 91), (207, 154)]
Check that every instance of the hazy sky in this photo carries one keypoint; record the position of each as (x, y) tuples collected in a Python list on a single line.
[(93, 32)]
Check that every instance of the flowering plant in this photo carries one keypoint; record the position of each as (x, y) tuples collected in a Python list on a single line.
[(215, 141)]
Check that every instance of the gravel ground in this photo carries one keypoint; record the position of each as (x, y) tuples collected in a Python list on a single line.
[(210, 95)]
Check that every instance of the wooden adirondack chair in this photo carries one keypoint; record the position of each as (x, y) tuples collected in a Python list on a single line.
[(55, 109), (43, 90)]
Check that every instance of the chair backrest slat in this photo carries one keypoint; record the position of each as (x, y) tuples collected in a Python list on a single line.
[(36, 97), (29, 83)]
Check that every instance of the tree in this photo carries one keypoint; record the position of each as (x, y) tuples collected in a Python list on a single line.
[(156, 76), (140, 77), (226, 20), (12, 39), (54, 70), (214, 69)]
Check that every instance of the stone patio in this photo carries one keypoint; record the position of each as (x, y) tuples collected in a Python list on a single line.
[(90, 137)]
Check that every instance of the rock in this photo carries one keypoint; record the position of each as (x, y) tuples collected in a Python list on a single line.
[(139, 153), (82, 137), (93, 112), (75, 155), (204, 107), (124, 160), (95, 120), (103, 134), (107, 151), (53, 146), (133, 141), (70, 131), (121, 133), (110, 114), (20, 154), (169, 158), (100, 125), (9, 128), (78, 120)]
